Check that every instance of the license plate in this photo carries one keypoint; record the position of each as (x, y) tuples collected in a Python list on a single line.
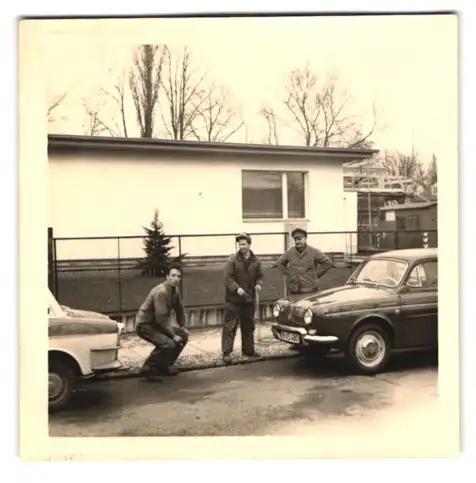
[(289, 337)]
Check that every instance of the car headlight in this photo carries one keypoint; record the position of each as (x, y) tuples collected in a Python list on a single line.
[(307, 317), (276, 310)]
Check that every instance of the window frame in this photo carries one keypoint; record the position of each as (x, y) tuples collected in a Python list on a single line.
[(284, 196), (416, 265)]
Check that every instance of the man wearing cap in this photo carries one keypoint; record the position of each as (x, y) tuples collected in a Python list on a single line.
[(243, 278), (303, 265)]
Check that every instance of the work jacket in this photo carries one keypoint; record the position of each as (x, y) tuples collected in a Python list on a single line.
[(158, 309), (303, 269), (244, 273)]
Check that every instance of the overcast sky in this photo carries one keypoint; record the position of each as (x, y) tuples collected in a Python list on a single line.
[(406, 65)]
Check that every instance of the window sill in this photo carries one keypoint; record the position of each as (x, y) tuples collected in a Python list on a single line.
[(276, 220)]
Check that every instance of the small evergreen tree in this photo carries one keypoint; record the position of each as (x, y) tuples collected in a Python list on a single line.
[(157, 249)]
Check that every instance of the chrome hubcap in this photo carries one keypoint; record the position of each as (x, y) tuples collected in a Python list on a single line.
[(55, 385), (370, 349)]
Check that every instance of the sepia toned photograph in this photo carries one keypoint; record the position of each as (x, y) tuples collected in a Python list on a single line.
[(242, 227)]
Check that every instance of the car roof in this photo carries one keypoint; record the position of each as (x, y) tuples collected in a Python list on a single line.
[(409, 254)]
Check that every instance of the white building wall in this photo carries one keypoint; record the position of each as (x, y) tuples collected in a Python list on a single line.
[(114, 194)]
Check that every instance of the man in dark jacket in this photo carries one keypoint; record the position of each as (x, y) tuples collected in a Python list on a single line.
[(155, 325), (243, 277), (303, 265)]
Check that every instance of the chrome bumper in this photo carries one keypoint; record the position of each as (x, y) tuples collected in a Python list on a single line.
[(109, 366), (305, 337)]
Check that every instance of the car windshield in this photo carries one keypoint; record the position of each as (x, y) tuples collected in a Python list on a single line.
[(381, 272)]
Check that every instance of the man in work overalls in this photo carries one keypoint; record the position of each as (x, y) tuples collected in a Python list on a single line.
[(155, 325), (243, 278), (303, 265)]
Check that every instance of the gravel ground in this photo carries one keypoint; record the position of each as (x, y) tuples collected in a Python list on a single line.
[(269, 348)]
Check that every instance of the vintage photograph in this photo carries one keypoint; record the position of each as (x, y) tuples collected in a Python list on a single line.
[(243, 223)]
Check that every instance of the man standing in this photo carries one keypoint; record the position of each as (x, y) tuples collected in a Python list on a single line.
[(303, 265), (243, 278), (155, 325)]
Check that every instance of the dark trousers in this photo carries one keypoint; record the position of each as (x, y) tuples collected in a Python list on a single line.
[(243, 315), (165, 352)]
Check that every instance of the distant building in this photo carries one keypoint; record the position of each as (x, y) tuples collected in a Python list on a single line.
[(371, 183), (416, 223)]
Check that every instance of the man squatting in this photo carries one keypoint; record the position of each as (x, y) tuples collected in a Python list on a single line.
[(300, 265), (155, 325), (243, 278)]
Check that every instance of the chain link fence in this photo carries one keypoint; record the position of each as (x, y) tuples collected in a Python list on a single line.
[(102, 273)]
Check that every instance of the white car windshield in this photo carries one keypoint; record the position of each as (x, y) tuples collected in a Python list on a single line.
[(381, 272)]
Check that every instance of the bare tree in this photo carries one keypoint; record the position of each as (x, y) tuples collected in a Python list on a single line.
[(144, 82), (432, 172), (54, 106), (272, 124), (216, 120), (320, 112), (184, 95), (408, 167), (93, 125), (107, 113)]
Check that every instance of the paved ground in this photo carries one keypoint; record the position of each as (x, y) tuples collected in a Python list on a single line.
[(282, 397)]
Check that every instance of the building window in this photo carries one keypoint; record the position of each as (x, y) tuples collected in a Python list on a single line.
[(273, 195), (408, 223)]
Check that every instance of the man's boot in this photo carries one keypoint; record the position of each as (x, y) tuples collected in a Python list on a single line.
[(168, 371), (253, 354)]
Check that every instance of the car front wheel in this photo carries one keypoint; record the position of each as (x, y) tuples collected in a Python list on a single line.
[(369, 349), (61, 379)]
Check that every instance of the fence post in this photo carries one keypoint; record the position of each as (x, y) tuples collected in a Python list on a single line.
[(180, 254), (284, 251), (397, 240), (55, 264), (119, 271), (51, 280)]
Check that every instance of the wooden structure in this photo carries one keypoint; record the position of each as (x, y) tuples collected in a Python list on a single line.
[(416, 224)]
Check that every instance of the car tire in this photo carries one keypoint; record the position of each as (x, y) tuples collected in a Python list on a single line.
[(368, 350), (61, 379)]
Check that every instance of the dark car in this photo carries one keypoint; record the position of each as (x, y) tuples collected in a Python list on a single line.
[(390, 302)]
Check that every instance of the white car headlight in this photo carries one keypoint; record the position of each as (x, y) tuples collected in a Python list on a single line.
[(276, 310), (307, 317)]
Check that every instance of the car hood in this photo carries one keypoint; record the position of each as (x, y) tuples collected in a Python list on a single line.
[(84, 314), (345, 296), (89, 315)]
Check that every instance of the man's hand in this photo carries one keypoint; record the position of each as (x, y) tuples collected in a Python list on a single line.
[(240, 291), (258, 288), (177, 339), (185, 331)]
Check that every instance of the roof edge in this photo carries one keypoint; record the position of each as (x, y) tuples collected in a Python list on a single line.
[(103, 142), (409, 206)]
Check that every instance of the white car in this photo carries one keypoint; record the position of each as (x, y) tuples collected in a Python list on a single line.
[(82, 344)]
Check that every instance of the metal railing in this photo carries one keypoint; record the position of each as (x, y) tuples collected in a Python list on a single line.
[(102, 274)]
